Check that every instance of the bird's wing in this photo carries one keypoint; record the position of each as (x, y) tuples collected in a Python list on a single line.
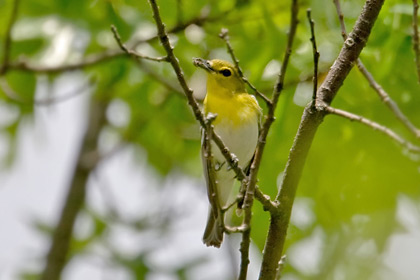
[(209, 173), (247, 169)]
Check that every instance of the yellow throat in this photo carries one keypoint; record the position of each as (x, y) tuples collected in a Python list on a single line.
[(226, 94)]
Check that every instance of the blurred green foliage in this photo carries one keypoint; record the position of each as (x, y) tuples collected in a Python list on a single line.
[(353, 175)]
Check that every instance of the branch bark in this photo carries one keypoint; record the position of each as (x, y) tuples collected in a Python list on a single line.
[(311, 119), (255, 165), (58, 253), (173, 60)]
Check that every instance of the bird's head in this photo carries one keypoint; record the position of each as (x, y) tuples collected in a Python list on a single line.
[(222, 76)]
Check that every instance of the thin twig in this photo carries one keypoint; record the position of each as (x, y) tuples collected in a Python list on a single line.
[(13, 95), (315, 55), (94, 59), (391, 104), (224, 34), (163, 37), (375, 126), (265, 200), (9, 92), (181, 26), (131, 52), (90, 60), (255, 165), (383, 95), (168, 83), (416, 43), (8, 38), (282, 264), (341, 19), (139, 57)]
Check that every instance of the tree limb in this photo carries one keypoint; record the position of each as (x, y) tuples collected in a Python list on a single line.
[(90, 60), (131, 52), (94, 59), (375, 126), (311, 119), (87, 159), (383, 95), (164, 39), (10, 93), (269, 119)]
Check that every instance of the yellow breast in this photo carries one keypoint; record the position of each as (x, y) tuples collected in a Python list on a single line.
[(236, 109)]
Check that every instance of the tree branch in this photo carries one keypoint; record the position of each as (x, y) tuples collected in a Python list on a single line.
[(90, 60), (315, 55), (94, 59), (224, 34), (132, 53), (383, 95), (180, 26), (375, 126), (10, 93), (391, 104), (310, 122), (163, 37), (255, 165), (232, 160), (265, 200), (59, 251)]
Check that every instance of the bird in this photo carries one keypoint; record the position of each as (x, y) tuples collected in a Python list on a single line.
[(237, 120)]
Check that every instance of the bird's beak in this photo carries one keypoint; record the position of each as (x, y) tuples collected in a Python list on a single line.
[(202, 63)]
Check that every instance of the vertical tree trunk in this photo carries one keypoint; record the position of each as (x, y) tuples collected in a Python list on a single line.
[(86, 162), (311, 119)]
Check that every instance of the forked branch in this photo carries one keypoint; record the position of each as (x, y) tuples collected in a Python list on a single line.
[(311, 119), (383, 95)]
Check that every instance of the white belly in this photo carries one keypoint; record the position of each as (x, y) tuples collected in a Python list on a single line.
[(241, 141)]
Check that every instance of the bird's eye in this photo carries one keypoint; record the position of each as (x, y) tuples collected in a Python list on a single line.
[(226, 72)]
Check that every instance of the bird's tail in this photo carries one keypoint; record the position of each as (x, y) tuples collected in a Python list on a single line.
[(213, 234)]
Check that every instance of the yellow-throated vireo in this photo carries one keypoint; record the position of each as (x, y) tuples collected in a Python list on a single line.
[(237, 123)]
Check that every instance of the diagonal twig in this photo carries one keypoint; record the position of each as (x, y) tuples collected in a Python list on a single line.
[(383, 95), (88, 61), (311, 120), (94, 59), (10, 93), (163, 37), (315, 55), (375, 126), (255, 165), (132, 53), (224, 34)]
